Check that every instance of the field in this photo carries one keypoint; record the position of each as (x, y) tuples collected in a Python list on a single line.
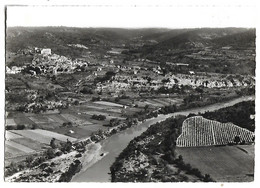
[(17, 145), (223, 163), (152, 102), (21, 143), (109, 104), (52, 126), (198, 131), (42, 136), (79, 116)]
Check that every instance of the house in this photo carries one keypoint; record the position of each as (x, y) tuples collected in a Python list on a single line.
[(37, 50), (226, 47), (191, 72), (46, 51), (182, 64), (13, 70)]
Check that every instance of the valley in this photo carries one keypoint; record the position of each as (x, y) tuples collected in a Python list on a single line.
[(68, 91)]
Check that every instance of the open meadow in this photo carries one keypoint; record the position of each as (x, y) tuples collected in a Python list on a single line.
[(223, 163)]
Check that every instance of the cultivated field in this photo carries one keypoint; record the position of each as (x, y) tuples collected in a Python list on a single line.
[(223, 163), (73, 118), (198, 131), (42, 136), (108, 103), (17, 145), (21, 143)]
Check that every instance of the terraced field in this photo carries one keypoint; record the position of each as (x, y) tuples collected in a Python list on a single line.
[(198, 131)]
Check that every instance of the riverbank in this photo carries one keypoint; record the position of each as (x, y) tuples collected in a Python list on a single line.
[(116, 143), (95, 168), (154, 157), (61, 168)]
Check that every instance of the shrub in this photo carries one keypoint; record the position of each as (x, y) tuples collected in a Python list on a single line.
[(20, 127), (11, 169), (34, 126), (98, 117), (29, 160), (9, 127), (50, 153)]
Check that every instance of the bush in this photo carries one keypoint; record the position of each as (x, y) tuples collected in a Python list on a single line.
[(98, 117), (78, 155), (50, 153), (34, 126), (9, 127), (38, 160), (11, 169), (29, 160), (96, 99), (20, 127), (207, 178)]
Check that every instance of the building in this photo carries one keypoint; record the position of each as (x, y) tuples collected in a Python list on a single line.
[(46, 51)]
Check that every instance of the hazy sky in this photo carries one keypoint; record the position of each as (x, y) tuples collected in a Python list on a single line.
[(130, 16)]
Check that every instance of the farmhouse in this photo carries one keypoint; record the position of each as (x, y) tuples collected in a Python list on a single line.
[(226, 47), (46, 51), (191, 72), (13, 70)]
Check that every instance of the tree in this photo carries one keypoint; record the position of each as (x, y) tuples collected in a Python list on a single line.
[(20, 127), (29, 160), (165, 80), (207, 178), (237, 139), (52, 143), (86, 90), (50, 153), (76, 102), (146, 107)]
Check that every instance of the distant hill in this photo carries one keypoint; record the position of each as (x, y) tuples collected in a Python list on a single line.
[(58, 38), (241, 39), (205, 37)]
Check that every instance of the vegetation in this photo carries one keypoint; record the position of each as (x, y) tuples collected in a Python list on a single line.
[(108, 76), (239, 114), (98, 117), (163, 144), (73, 169), (81, 67)]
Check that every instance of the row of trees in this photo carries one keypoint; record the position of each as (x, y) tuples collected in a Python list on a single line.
[(98, 117)]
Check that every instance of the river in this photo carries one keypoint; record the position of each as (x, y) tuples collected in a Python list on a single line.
[(115, 144)]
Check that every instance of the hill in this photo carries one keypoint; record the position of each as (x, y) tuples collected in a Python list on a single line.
[(205, 37), (23, 37), (219, 50)]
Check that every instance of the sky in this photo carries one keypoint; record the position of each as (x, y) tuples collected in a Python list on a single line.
[(131, 16)]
